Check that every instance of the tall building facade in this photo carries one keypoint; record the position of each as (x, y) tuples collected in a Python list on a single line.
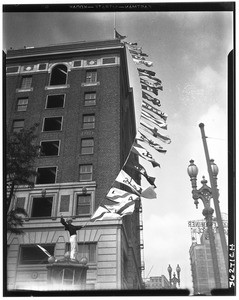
[(201, 259), (79, 94)]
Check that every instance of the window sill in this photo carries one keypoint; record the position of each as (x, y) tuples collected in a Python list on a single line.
[(54, 87), (90, 84), (24, 90)]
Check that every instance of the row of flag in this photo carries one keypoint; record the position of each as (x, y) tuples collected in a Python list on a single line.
[(121, 201)]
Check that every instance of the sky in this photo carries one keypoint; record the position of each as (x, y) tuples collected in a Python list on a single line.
[(189, 53)]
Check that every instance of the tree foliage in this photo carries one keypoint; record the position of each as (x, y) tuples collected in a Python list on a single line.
[(21, 153)]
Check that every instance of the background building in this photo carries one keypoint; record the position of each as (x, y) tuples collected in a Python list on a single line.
[(79, 94), (201, 258), (157, 282)]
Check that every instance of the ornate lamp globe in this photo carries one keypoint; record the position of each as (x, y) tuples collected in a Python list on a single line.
[(192, 169), (214, 167), (178, 269), (169, 269)]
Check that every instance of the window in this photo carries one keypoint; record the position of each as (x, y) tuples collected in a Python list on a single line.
[(22, 104), (87, 250), (17, 125), (87, 146), (46, 175), (14, 69), (26, 82), (88, 121), (55, 101), (52, 124), (90, 99), (32, 255), (68, 276), (41, 207), (42, 67), (86, 172), (50, 148), (58, 75), (83, 204), (108, 60), (91, 76), (77, 63)]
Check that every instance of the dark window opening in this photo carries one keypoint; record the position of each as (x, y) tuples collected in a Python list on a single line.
[(33, 255), (26, 82), (52, 124), (55, 101), (86, 172), (58, 75), (91, 76), (42, 67), (87, 146), (90, 99), (41, 207), (109, 60), (77, 63), (17, 125), (12, 69), (50, 148), (46, 175), (88, 121), (83, 204), (68, 276)]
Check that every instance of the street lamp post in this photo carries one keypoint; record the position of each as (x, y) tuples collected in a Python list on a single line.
[(205, 194), (213, 171), (174, 280)]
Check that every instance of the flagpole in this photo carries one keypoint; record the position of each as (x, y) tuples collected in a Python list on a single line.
[(114, 24)]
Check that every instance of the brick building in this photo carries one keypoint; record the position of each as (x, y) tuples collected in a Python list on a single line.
[(79, 94), (157, 283)]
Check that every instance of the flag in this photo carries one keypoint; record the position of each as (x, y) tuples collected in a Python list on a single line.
[(143, 138), (150, 89), (137, 52), (141, 170), (150, 77), (124, 178), (150, 98), (147, 63), (44, 250), (131, 44), (155, 133), (151, 73), (139, 150), (149, 193), (118, 195), (136, 56), (99, 213), (147, 107), (119, 36), (151, 118), (152, 122), (155, 85), (123, 208)]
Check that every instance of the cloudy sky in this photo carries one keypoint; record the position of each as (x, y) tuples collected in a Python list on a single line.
[(189, 51)]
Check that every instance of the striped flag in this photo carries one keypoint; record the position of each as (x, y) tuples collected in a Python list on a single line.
[(154, 120), (118, 195), (149, 72), (141, 170), (142, 152), (143, 138), (155, 101), (147, 107), (99, 213), (147, 63), (155, 85), (149, 89), (154, 131), (136, 52)]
